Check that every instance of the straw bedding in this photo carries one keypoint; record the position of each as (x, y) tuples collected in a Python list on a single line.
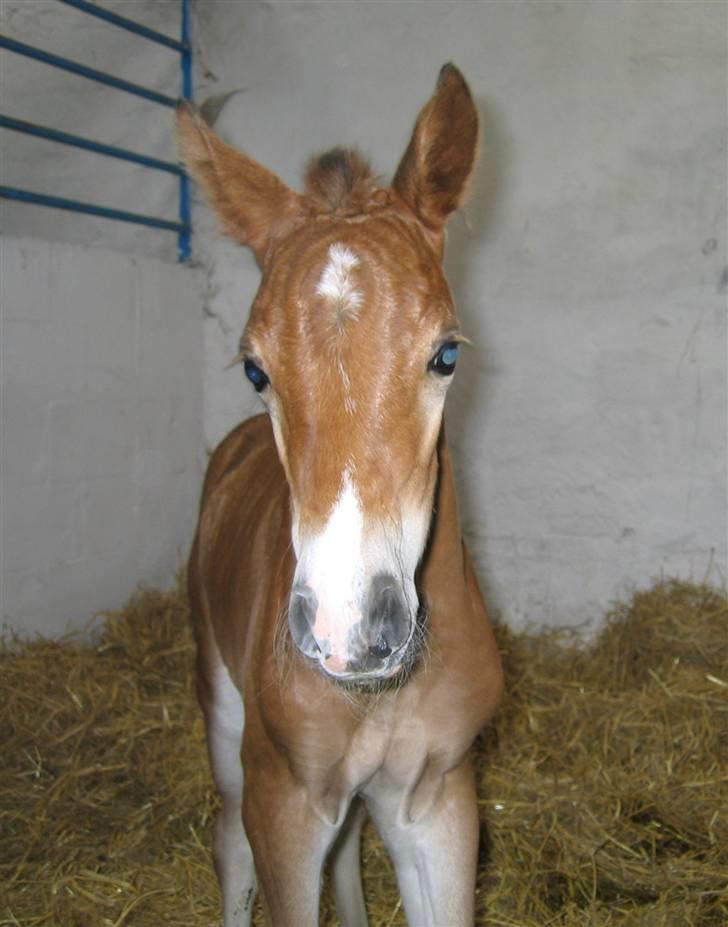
[(604, 788)]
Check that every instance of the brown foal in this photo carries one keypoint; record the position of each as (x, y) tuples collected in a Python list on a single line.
[(345, 658)]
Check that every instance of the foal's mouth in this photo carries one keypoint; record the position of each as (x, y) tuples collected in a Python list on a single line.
[(390, 674), (383, 677)]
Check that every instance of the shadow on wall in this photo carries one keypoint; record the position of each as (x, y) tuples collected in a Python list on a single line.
[(476, 384)]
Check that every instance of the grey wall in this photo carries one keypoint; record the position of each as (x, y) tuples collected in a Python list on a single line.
[(589, 420), (38, 93), (101, 429), (101, 437)]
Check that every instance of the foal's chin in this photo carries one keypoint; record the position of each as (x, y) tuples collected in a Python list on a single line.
[(390, 674)]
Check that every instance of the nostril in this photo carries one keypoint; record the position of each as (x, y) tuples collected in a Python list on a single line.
[(301, 615), (380, 649), (388, 617), (305, 594)]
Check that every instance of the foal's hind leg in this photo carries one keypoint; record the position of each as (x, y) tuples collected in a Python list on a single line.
[(346, 869), (233, 857)]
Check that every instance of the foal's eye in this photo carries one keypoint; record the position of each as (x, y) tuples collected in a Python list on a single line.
[(256, 376), (444, 361)]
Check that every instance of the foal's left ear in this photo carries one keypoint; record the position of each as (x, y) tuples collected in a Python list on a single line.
[(433, 175)]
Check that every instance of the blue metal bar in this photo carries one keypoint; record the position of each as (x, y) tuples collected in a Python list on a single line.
[(184, 242), (53, 135), (101, 76), (186, 44), (184, 47), (125, 23), (42, 199)]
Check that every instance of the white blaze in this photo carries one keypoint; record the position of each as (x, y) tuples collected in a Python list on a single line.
[(339, 563), (335, 569)]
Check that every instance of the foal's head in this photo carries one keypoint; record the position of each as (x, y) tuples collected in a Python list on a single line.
[(352, 342)]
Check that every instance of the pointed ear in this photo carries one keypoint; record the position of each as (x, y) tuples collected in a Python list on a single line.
[(433, 176), (253, 204)]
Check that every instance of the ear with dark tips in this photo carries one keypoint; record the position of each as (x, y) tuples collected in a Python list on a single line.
[(433, 176), (253, 204)]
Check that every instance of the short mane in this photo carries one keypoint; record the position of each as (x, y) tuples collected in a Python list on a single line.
[(340, 180)]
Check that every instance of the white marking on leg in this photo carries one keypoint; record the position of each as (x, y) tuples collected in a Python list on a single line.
[(233, 856), (346, 871), (436, 857)]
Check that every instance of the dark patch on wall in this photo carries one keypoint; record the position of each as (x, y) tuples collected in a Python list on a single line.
[(723, 281)]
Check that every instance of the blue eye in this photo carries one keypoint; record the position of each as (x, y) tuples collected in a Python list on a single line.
[(444, 361), (256, 375)]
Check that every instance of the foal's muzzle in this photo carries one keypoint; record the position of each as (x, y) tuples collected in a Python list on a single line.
[(372, 645)]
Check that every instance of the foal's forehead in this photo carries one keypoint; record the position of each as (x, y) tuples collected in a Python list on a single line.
[(351, 262)]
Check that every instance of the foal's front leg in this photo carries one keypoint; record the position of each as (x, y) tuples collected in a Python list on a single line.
[(290, 842), (436, 855)]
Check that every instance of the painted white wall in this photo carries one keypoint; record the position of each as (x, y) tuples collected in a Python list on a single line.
[(589, 421), (101, 440), (101, 429)]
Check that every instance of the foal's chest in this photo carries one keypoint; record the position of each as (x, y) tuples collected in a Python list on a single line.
[(343, 745)]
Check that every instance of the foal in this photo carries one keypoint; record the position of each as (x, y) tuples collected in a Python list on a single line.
[(345, 659)]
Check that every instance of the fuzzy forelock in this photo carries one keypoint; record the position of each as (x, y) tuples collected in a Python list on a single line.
[(339, 179)]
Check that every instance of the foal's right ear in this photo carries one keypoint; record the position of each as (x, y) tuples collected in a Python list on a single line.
[(433, 176), (252, 202)]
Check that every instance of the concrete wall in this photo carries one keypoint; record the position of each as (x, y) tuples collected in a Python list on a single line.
[(589, 421), (101, 429), (35, 92), (102, 447)]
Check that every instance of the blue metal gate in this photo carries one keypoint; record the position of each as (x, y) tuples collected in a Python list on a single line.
[(182, 226)]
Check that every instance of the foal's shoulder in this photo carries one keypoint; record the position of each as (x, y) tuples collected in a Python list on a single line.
[(249, 440)]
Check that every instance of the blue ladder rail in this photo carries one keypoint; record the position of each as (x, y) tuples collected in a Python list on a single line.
[(183, 227), (58, 202), (101, 77), (77, 141), (125, 23)]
